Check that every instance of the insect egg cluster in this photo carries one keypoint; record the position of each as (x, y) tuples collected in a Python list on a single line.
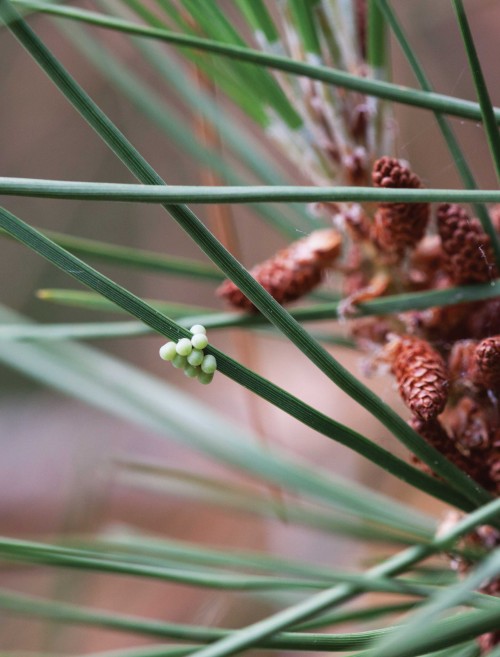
[(188, 354)]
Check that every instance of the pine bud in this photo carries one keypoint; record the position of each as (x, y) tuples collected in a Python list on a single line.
[(292, 272), (398, 226), (421, 375), (487, 362), (469, 256)]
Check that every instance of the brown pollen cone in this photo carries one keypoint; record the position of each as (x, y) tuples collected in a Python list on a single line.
[(487, 362), (426, 264), (469, 256), (292, 272), (421, 375), (435, 435), (472, 427), (398, 226)]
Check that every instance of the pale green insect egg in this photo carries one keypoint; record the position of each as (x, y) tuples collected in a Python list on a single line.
[(197, 329), (191, 372), (205, 378), (168, 351), (196, 357), (184, 347), (209, 364), (179, 362), (199, 341)]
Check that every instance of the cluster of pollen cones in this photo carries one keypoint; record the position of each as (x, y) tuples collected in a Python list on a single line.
[(445, 360)]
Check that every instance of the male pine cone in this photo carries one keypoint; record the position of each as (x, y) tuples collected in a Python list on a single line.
[(435, 435), (469, 256), (398, 226), (487, 363), (292, 272), (421, 376)]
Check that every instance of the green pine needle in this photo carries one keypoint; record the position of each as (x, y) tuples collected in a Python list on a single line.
[(397, 93)]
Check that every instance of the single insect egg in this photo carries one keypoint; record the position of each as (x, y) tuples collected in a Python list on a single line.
[(179, 362), (184, 347), (205, 378), (209, 364), (197, 329), (168, 351), (191, 372), (196, 357), (199, 341)]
